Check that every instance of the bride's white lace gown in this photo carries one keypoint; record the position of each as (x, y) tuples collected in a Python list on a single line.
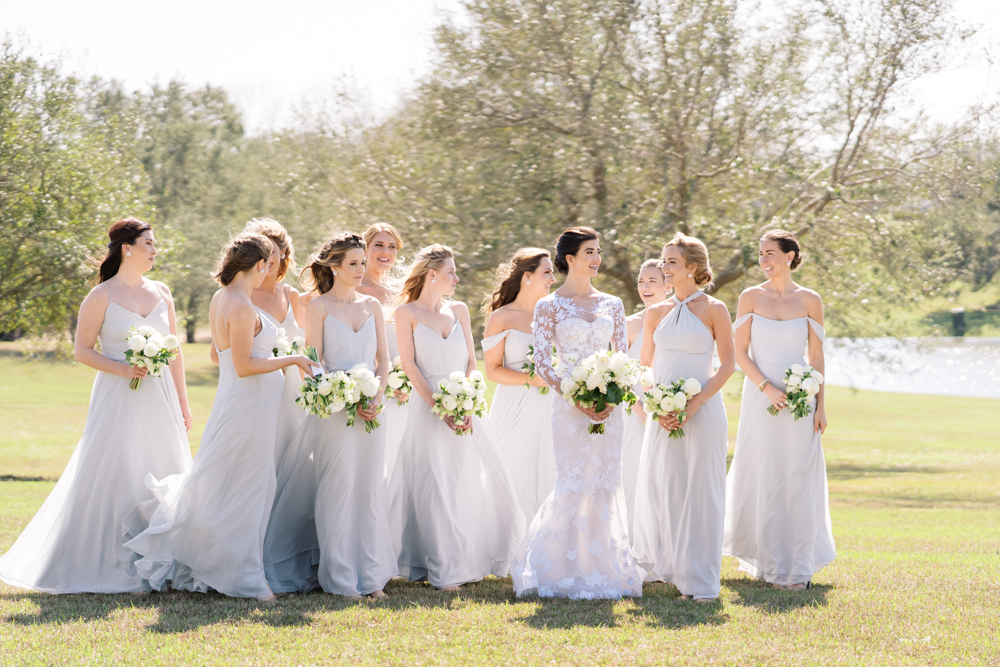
[(577, 545)]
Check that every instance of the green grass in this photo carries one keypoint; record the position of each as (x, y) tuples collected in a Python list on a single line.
[(915, 499)]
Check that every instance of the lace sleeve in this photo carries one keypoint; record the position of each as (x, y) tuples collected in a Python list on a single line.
[(619, 339), (545, 330)]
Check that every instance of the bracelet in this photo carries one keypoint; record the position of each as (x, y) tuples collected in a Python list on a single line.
[(763, 384)]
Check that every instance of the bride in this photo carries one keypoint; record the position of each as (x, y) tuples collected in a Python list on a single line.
[(577, 545)]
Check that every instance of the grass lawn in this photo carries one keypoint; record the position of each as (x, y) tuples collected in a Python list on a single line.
[(915, 496)]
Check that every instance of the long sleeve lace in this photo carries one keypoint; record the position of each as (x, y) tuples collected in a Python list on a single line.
[(545, 331), (619, 340)]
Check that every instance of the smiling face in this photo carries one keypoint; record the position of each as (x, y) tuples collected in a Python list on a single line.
[(652, 287), (541, 278), (446, 277), (352, 268), (772, 260), (382, 252), (587, 260), (675, 269), (143, 251)]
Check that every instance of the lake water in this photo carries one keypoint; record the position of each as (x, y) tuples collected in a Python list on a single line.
[(944, 366)]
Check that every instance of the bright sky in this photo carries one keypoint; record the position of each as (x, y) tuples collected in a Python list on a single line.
[(272, 55)]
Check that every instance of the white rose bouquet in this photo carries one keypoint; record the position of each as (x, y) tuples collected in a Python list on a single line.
[(367, 385), (461, 397), (660, 400), (148, 349), (529, 368), (327, 394), (398, 381), (602, 378), (284, 347), (802, 383)]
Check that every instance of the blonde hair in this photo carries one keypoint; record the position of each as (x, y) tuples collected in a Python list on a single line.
[(652, 263), (318, 273), (695, 254), (507, 278), (243, 252), (275, 231), (427, 259), (383, 228)]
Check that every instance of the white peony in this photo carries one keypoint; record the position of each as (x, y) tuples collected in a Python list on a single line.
[(603, 362), (136, 342), (151, 349), (618, 362), (467, 404), (147, 331), (691, 387), (567, 385), (793, 381), (449, 403), (170, 342), (580, 373), (324, 388), (656, 394), (370, 387), (476, 376), (283, 345), (453, 388), (395, 381), (816, 375), (680, 400), (667, 404), (594, 380), (336, 406), (456, 376), (797, 369), (810, 386)]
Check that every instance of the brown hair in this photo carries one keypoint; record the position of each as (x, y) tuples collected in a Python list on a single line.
[(787, 242), (124, 231), (318, 273), (508, 276), (276, 232), (240, 254), (382, 228), (695, 254), (427, 259), (569, 243)]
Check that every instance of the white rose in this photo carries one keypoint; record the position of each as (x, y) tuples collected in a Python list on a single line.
[(667, 404), (335, 406), (816, 375), (619, 362), (476, 376), (449, 403), (151, 349), (567, 385), (283, 345), (147, 331), (580, 373), (793, 381), (171, 342), (603, 362), (810, 386), (691, 387), (325, 388), (456, 376), (136, 342), (797, 369), (453, 388), (680, 400), (394, 381), (467, 404), (594, 380)]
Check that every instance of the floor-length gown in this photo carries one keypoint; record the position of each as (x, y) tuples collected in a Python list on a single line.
[(680, 504), (393, 415), (73, 544), (207, 529), (521, 421), (355, 556), (578, 545), (634, 432), (777, 503), (454, 515)]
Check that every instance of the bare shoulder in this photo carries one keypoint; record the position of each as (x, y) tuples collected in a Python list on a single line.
[(162, 288), (461, 310), (717, 307), (750, 294), (660, 310), (98, 298), (811, 297), (636, 317), (315, 305), (404, 313), (500, 318)]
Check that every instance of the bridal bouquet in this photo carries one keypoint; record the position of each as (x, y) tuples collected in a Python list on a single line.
[(529, 368), (327, 394), (802, 383), (148, 349), (366, 387), (283, 347), (602, 378), (398, 381), (461, 397), (660, 400)]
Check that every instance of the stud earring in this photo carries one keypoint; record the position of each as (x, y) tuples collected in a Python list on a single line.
[(788, 263), (128, 253), (689, 275), (263, 269), (336, 273), (529, 281), (433, 279)]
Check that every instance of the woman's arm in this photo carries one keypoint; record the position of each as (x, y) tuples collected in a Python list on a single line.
[(742, 346), (462, 315), (316, 313), (816, 359), (493, 357), (177, 365), (88, 327), (241, 325), (545, 327), (405, 323)]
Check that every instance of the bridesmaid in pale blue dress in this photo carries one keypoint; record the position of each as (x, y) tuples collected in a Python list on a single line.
[(353, 552), (680, 505), (652, 290), (206, 532), (520, 417), (777, 502), (73, 544)]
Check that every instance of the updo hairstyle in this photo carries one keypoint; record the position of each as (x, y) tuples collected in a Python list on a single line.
[(430, 258), (125, 231), (240, 254), (508, 276), (276, 232), (318, 273), (569, 244), (787, 242), (695, 255)]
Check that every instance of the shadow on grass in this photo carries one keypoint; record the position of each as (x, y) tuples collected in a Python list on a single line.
[(759, 595), (661, 606), (843, 471), (26, 478)]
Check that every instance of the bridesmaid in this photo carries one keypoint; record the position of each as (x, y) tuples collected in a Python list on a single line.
[(652, 290), (207, 531), (384, 245), (73, 544), (454, 515), (680, 501), (520, 417), (354, 551), (777, 504)]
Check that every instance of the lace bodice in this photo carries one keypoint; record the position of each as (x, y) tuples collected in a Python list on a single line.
[(576, 330)]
